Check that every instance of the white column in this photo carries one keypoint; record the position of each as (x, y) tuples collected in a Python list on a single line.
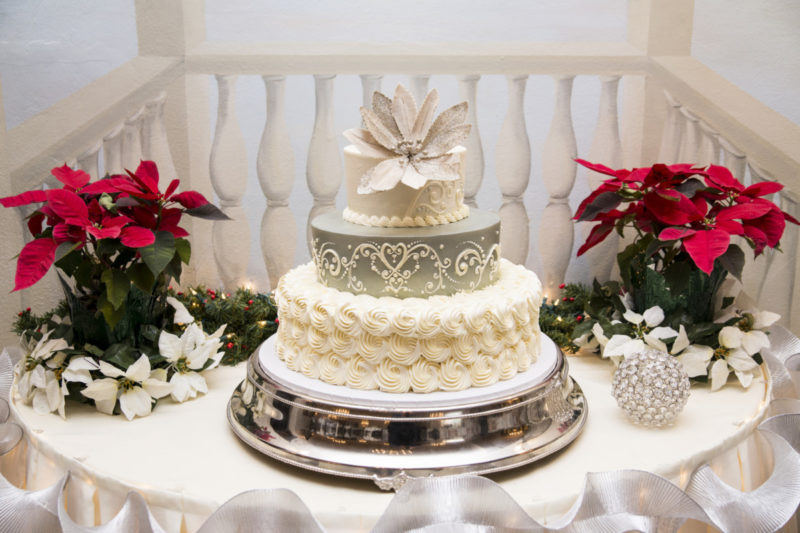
[(691, 137), (155, 144), (708, 146), (558, 173), (89, 161), (369, 84), (132, 140), (513, 169), (228, 172), (671, 137), (468, 90), (419, 86), (112, 151), (324, 165), (733, 158), (275, 167), (606, 149)]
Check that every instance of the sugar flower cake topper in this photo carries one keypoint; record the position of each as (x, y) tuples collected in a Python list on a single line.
[(414, 146)]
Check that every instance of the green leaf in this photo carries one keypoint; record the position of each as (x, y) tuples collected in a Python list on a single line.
[(141, 276), (207, 211), (117, 286), (158, 255), (184, 249), (108, 247), (604, 203), (122, 355), (733, 261), (677, 276), (67, 258), (112, 314), (689, 187), (728, 301)]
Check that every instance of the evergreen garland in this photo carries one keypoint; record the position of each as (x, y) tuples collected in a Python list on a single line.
[(559, 317)]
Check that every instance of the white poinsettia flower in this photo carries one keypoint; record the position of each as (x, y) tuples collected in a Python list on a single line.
[(79, 369), (732, 340), (763, 319), (186, 386), (47, 393), (45, 348), (599, 334), (587, 341), (621, 346), (719, 374), (695, 359), (135, 388), (656, 337), (182, 315)]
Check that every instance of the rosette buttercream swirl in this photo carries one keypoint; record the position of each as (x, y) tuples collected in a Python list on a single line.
[(424, 376), (453, 376), (333, 369), (469, 339), (393, 377), (485, 371), (361, 374)]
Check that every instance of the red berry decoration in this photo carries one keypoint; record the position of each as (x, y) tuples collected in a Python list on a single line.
[(28, 309), (229, 345), (249, 302), (213, 296), (564, 299), (19, 314), (562, 285), (571, 299), (277, 321), (246, 307), (579, 318)]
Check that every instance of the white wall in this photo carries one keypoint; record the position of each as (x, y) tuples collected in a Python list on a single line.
[(50, 48)]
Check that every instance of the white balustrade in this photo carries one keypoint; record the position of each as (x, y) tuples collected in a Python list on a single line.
[(112, 151), (513, 169), (132, 140), (324, 164), (155, 146), (606, 149), (733, 158), (369, 84), (558, 174), (708, 149), (673, 132), (473, 176), (691, 137), (228, 172), (275, 166), (89, 161), (419, 86)]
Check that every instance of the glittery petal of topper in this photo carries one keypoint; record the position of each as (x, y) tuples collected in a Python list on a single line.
[(447, 131), (404, 111), (367, 144), (414, 145), (384, 176)]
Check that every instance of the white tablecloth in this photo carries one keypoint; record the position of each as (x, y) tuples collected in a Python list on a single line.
[(185, 461)]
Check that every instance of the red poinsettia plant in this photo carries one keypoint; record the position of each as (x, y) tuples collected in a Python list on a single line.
[(683, 218), (116, 241)]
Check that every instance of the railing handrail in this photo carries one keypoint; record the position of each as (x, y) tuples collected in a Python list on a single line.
[(771, 140), (71, 127), (223, 57)]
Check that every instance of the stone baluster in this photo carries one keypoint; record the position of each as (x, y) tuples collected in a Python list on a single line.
[(513, 169), (606, 149), (369, 84), (324, 164), (89, 161), (708, 147), (132, 140), (155, 145), (673, 132), (691, 137), (558, 174), (733, 158), (228, 172), (468, 90), (419, 87), (275, 167), (112, 151)]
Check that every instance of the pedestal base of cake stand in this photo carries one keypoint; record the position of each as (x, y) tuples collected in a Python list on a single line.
[(389, 437)]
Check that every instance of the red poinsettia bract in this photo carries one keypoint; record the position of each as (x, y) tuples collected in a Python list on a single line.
[(698, 207), (128, 207)]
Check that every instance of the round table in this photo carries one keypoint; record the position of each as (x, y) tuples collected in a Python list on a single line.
[(185, 460)]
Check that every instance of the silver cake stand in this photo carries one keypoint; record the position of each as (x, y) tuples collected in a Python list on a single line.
[(390, 437)]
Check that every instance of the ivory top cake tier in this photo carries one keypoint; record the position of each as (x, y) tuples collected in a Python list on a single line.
[(436, 202)]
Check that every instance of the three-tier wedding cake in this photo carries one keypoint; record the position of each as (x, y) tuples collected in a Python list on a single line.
[(407, 290)]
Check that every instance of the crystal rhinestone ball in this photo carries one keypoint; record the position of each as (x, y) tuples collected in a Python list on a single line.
[(651, 387)]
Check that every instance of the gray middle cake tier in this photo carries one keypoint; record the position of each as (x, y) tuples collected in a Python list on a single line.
[(407, 262)]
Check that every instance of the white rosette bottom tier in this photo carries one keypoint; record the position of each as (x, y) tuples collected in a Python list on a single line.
[(389, 437), (450, 343)]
